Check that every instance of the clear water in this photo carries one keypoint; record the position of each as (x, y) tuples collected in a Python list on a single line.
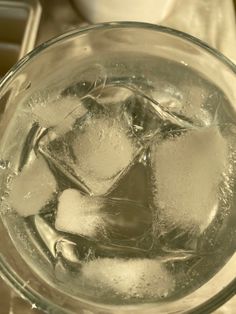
[(121, 190)]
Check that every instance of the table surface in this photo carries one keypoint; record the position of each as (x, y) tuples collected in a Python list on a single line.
[(58, 17)]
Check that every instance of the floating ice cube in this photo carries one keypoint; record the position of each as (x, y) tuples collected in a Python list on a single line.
[(49, 236), (144, 121), (136, 278), (60, 246), (103, 218), (61, 111), (79, 214), (32, 188), (103, 144), (191, 102), (103, 149), (149, 117), (112, 95), (169, 96), (187, 172), (132, 105), (95, 154)]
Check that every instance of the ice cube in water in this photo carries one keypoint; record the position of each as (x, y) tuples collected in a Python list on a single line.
[(136, 278), (96, 153), (32, 188), (63, 110), (103, 218), (79, 214), (102, 239), (187, 171)]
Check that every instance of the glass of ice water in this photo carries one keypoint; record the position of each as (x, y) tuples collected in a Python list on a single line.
[(117, 169)]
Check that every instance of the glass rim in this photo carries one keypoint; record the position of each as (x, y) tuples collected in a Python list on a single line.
[(112, 25), (6, 272)]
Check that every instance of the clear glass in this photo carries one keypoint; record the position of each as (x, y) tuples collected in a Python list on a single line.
[(125, 49)]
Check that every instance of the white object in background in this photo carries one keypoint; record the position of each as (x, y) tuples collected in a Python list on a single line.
[(99, 11), (212, 21)]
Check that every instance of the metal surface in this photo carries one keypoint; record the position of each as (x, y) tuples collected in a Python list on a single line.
[(19, 21)]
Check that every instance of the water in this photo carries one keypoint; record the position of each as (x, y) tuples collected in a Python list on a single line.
[(124, 195)]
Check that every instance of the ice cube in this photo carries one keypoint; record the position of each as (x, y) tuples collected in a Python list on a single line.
[(130, 104), (101, 218), (95, 154), (61, 111), (32, 188), (187, 172), (135, 278), (169, 96), (79, 214), (49, 236), (104, 149), (111, 95), (142, 117), (149, 117)]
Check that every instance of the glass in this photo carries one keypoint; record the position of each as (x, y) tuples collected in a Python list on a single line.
[(132, 53)]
